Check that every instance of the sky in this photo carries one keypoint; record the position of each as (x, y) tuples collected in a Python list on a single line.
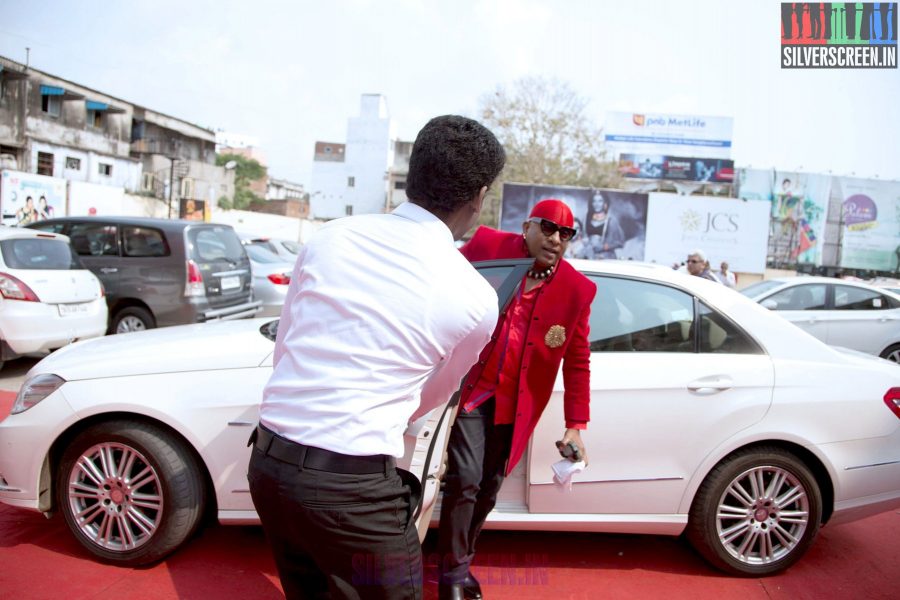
[(291, 73)]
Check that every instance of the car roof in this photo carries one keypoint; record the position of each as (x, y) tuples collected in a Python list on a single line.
[(167, 224)]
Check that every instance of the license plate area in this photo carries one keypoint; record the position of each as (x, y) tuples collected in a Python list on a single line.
[(68, 310), (232, 282)]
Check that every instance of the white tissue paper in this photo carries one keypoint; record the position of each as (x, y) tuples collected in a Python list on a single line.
[(564, 470)]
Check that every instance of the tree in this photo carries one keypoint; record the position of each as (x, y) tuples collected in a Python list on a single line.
[(547, 138), (245, 171)]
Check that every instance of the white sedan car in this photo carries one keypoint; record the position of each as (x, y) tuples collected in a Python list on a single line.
[(47, 297), (839, 312), (709, 416)]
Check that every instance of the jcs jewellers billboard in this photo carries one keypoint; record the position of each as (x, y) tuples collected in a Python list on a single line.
[(871, 224), (724, 229), (667, 134)]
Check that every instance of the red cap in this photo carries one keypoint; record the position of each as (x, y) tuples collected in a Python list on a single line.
[(553, 210)]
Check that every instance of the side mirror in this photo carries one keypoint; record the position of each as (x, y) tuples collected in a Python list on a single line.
[(770, 304)]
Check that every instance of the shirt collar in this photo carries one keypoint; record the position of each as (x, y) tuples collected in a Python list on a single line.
[(416, 213)]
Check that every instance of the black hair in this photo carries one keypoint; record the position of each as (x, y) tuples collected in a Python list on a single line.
[(452, 158)]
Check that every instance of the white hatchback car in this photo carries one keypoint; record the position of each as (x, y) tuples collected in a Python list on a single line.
[(47, 297), (839, 312), (710, 416)]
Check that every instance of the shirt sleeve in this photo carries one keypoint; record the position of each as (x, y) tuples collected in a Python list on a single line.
[(447, 376), (285, 321)]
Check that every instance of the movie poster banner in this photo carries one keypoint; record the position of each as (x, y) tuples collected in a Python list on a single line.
[(27, 197), (676, 168), (799, 208), (870, 236), (610, 223), (724, 229)]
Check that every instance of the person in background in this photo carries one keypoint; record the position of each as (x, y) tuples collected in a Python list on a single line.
[(698, 266), (27, 214), (505, 394), (383, 318), (726, 276), (44, 210), (603, 229)]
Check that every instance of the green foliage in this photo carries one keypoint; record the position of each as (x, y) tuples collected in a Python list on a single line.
[(245, 171), (547, 137)]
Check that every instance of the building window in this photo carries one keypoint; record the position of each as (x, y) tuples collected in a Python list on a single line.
[(73, 163), (400, 185), (351, 182), (348, 210), (187, 188), (95, 119), (51, 105), (147, 182), (45, 164), (105, 169)]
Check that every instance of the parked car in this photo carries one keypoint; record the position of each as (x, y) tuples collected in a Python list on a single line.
[(160, 272), (286, 249), (271, 277), (839, 312), (709, 417), (47, 298)]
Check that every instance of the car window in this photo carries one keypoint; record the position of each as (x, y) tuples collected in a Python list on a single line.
[(760, 287), (629, 315), (854, 298), (800, 297), (292, 247), (39, 254), (93, 239), (143, 241), (639, 316), (216, 243), (51, 227), (262, 255)]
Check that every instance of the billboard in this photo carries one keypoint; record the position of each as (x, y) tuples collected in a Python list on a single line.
[(668, 134), (26, 197), (676, 168), (611, 223), (724, 229), (870, 223)]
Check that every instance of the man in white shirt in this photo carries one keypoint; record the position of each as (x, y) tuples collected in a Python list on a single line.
[(383, 318)]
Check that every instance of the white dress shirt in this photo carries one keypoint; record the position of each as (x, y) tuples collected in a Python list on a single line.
[(383, 318)]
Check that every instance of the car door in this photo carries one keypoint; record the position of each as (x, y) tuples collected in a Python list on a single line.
[(426, 439), (805, 305), (671, 378), (863, 319), (96, 244)]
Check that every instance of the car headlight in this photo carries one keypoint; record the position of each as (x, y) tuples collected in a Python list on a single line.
[(34, 390)]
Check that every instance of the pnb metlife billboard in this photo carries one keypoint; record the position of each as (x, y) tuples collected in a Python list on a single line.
[(669, 134)]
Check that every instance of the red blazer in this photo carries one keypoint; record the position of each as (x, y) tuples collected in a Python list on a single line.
[(558, 334)]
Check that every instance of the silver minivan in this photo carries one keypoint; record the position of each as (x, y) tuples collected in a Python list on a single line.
[(161, 272)]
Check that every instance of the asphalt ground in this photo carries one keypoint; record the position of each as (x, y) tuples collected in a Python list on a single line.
[(39, 559)]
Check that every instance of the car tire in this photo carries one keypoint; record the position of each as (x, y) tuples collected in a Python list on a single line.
[(133, 318), (892, 353), (130, 492), (756, 513)]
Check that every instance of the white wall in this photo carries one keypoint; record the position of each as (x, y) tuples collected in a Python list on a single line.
[(254, 224), (126, 173)]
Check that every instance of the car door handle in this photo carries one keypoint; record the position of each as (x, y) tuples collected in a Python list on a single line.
[(109, 270), (710, 385)]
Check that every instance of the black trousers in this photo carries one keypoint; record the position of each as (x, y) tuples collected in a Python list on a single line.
[(336, 535), (477, 454)]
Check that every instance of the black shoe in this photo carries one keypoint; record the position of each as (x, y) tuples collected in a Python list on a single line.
[(471, 587), (451, 591)]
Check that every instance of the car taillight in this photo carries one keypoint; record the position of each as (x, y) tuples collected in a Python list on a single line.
[(892, 399), (280, 278), (12, 288), (193, 286)]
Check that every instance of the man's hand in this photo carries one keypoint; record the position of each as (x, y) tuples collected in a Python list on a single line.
[(574, 435)]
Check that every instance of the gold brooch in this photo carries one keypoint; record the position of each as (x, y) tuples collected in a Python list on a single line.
[(556, 337)]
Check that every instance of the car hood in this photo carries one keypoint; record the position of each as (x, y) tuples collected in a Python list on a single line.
[(205, 346)]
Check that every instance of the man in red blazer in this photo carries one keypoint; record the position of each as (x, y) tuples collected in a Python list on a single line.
[(505, 393)]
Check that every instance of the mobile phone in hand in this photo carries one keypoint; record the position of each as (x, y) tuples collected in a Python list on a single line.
[(569, 450)]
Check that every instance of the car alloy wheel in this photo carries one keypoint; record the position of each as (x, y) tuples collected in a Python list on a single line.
[(892, 353), (133, 318), (131, 492), (756, 513), (115, 496)]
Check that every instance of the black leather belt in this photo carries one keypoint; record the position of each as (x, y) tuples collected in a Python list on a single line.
[(310, 457)]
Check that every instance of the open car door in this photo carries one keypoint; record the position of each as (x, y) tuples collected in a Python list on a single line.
[(426, 439)]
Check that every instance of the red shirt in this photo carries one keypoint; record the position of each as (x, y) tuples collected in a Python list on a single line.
[(500, 377)]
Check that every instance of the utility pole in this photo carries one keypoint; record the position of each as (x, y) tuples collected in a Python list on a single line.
[(171, 182)]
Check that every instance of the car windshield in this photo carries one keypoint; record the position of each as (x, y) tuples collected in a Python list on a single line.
[(216, 243), (292, 247), (39, 254), (760, 287), (261, 255)]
